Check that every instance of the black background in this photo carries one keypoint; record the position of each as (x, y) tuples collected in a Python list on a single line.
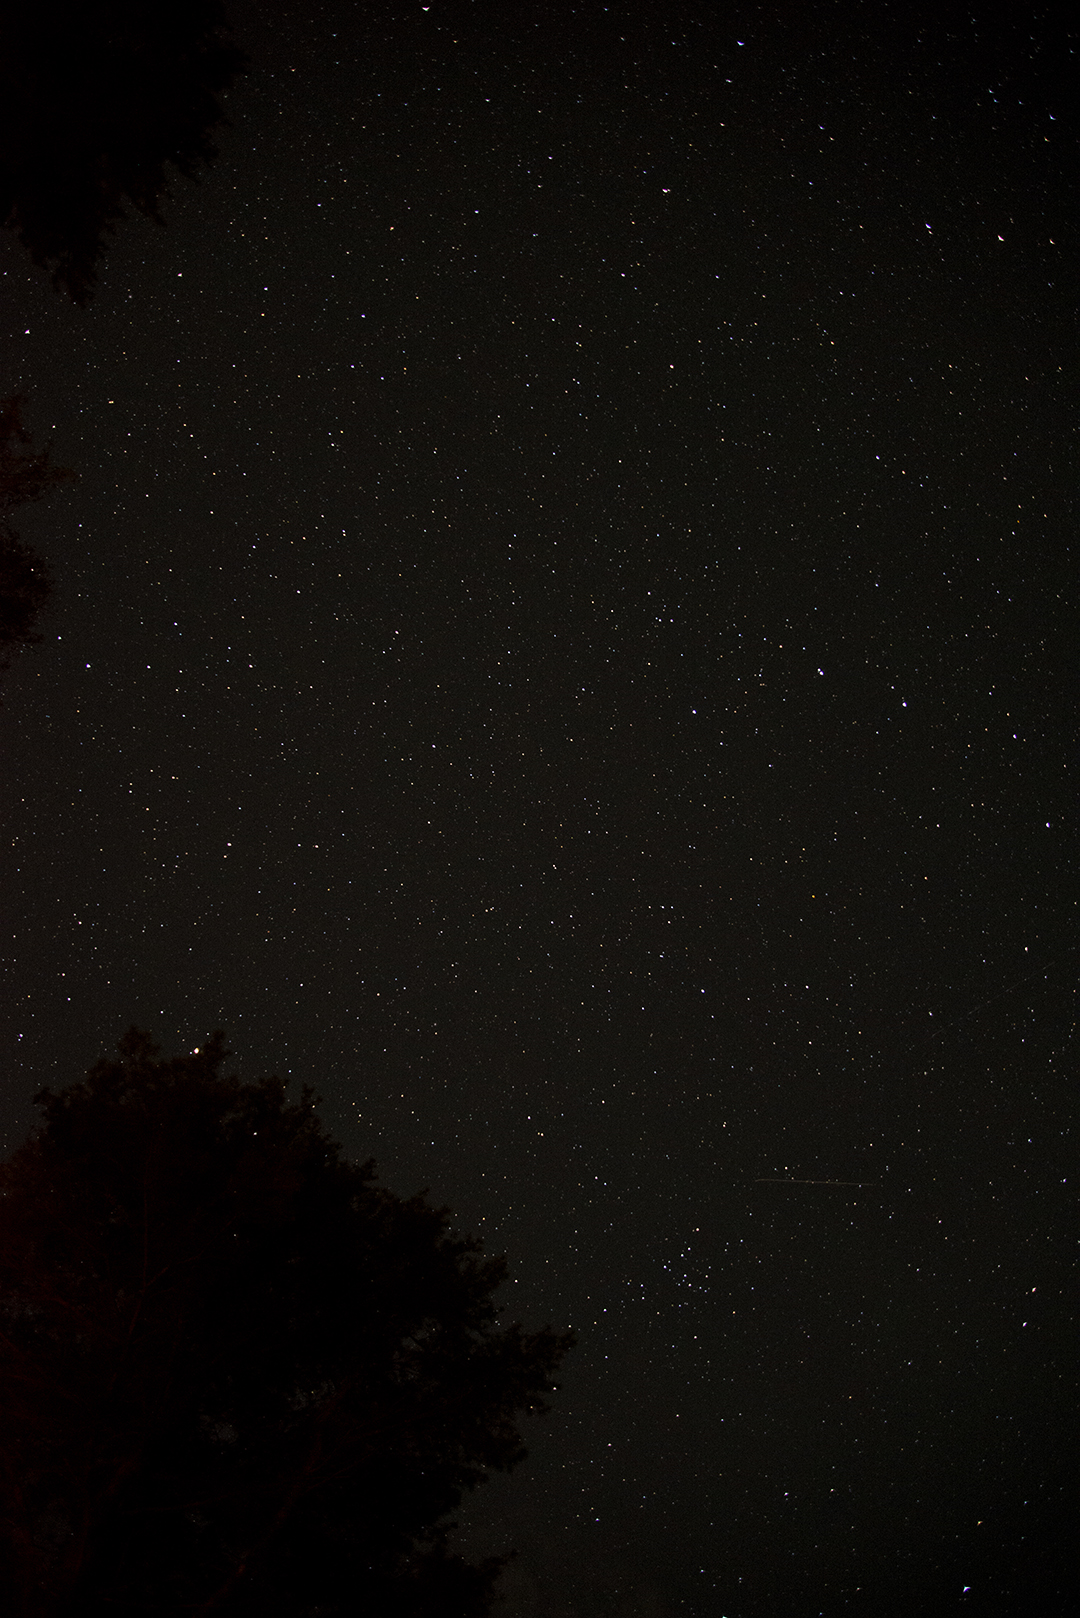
[(563, 640)]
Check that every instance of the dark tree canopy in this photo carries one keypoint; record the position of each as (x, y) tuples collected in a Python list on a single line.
[(96, 99), (25, 474), (236, 1375)]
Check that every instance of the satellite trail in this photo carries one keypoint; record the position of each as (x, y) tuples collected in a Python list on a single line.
[(776, 1180)]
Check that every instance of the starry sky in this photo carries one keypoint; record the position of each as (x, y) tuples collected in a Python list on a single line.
[(564, 640)]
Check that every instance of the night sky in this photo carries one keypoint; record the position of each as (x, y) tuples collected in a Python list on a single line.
[(564, 639)]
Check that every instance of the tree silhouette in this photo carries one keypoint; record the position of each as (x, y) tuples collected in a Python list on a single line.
[(25, 475), (236, 1375), (95, 100)]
